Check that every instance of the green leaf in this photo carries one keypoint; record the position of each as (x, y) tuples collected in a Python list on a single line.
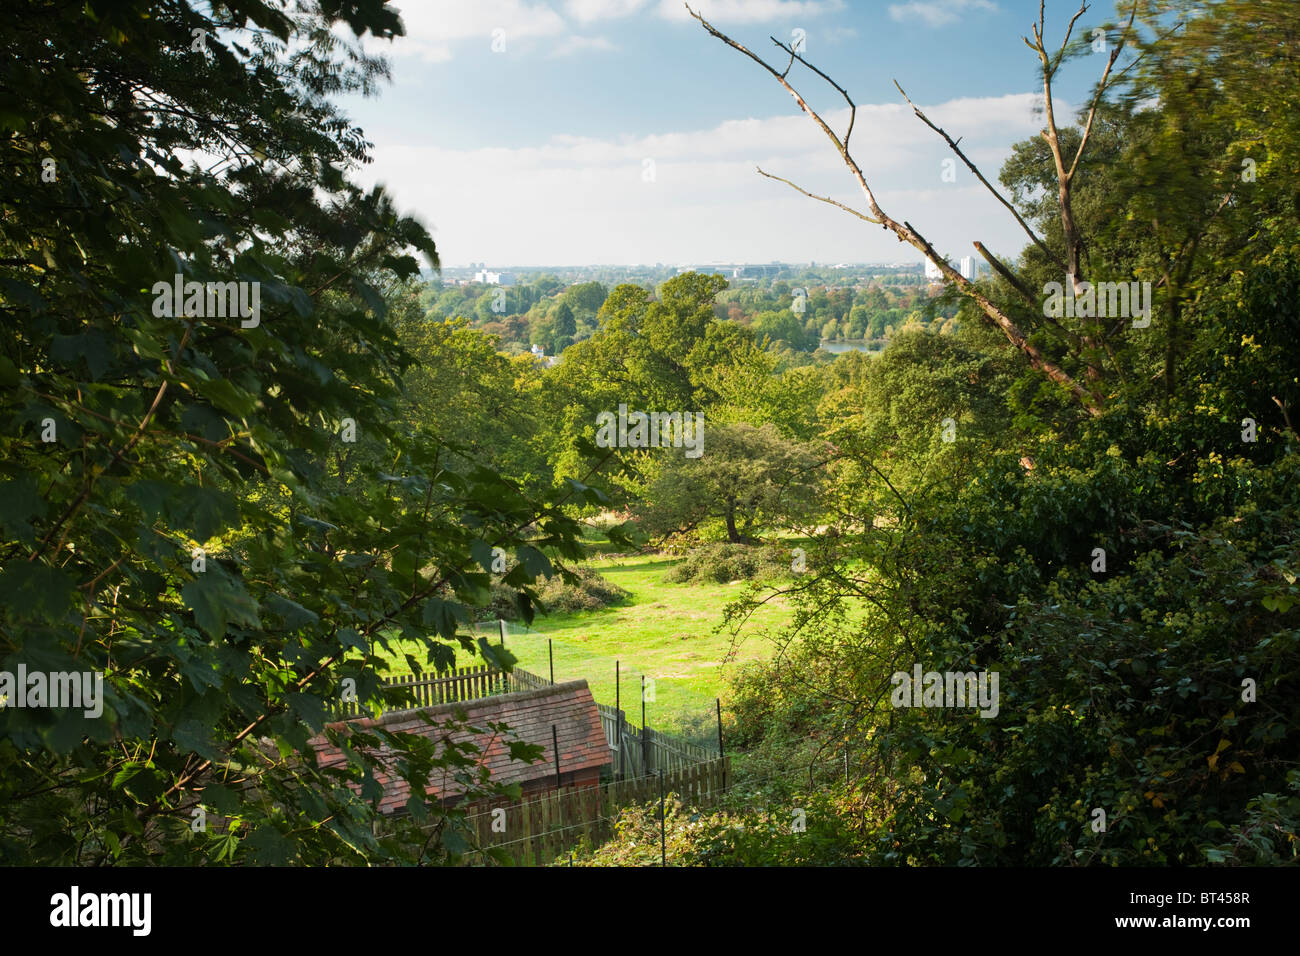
[(533, 561), (440, 615), (23, 294), (371, 297), (126, 772), (217, 601), (222, 799), (268, 847), (93, 347), (20, 503), (453, 842), (192, 735), (200, 509), (225, 395), (8, 373), (30, 589), (481, 552), (294, 615)]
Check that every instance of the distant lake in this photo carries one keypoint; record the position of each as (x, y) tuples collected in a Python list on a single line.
[(861, 345)]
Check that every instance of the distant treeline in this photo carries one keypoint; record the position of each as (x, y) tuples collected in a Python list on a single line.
[(795, 315)]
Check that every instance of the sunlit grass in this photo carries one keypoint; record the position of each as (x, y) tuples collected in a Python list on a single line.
[(665, 631)]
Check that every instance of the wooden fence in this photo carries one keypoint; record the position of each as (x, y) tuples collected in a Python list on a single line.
[(518, 680), (638, 751), (460, 684), (536, 831)]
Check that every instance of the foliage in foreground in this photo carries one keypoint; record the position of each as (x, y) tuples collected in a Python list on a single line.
[(1129, 574), (226, 516), (813, 832)]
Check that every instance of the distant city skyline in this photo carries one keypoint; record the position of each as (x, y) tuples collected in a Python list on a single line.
[(495, 273)]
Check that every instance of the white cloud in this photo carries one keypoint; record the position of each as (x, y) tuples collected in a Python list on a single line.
[(586, 11), (748, 11), (938, 13), (578, 44), (435, 29), (432, 26), (578, 199)]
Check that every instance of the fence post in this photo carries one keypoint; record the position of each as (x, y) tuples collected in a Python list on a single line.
[(550, 654), (618, 708), (663, 839), (555, 745), (645, 735), (721, 752)]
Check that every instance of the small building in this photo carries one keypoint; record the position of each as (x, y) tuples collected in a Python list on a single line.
[(569, 708)]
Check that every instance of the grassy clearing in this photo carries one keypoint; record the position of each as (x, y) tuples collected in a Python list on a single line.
[(665, 631)]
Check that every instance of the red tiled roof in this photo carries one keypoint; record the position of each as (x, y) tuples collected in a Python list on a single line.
[(569, 707)]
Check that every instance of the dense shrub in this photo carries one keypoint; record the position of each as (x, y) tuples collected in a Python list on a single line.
[(719, 563), (811, 832), (1123, 690), (589, 592)]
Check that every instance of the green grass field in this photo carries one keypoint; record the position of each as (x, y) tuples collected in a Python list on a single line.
[(665, 631)]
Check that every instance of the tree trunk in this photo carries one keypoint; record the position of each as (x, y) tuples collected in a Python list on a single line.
[(733, 536)]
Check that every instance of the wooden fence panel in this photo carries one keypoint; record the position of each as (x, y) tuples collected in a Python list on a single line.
[(470, 682), (542, 828)]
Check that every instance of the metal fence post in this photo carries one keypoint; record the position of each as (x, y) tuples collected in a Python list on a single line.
[(645, 732), (618, 708), (555, 745)]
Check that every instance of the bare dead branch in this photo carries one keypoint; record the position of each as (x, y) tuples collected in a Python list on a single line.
[(906, 233), (1076, 343), (980, 176), (1012, 279), (1060, 54), (853, 107), (1101, 89), (1286, 417), (826, 199)]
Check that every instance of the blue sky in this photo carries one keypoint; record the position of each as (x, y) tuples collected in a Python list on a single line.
[(526, 132)]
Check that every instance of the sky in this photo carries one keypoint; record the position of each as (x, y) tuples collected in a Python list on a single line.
[(582, 132)]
